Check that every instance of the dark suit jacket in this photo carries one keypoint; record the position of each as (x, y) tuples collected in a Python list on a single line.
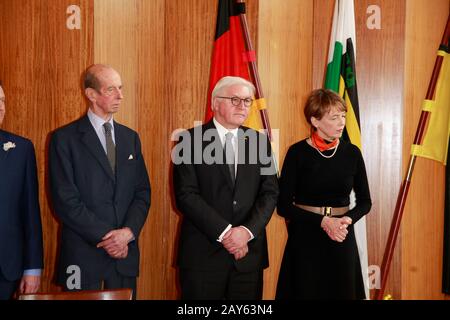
[(20, 220), (209, 202), (90, 201)]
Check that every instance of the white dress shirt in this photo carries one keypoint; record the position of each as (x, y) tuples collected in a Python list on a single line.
[(97, 123), (222, 131)]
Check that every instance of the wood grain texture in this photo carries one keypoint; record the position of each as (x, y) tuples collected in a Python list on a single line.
[(422, 227), (162, 48), (285, 58), (380, 64), (40, 64), (115, 44), (152, 113)]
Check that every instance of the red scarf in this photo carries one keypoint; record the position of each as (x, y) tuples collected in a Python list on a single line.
[(320, 143)]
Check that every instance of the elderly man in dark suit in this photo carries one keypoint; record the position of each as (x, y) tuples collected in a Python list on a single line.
[(100, 190), (21, 251), (226, 189)]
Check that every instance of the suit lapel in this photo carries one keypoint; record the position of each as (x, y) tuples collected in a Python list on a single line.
[(121, 156), (93, 144)]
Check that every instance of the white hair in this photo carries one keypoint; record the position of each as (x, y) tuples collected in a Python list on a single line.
[(229, 81)]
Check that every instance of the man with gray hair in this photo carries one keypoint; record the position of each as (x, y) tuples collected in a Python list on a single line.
[(226, 199), (100, 191)]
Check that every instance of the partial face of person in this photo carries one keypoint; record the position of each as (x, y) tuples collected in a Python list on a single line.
[(226, 113), (2, 105), (332, 124), (106, 101)]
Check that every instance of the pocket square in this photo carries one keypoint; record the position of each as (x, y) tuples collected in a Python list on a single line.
[(130, 157)]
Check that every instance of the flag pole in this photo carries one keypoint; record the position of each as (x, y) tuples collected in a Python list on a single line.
[(404, 189), (251, 57)]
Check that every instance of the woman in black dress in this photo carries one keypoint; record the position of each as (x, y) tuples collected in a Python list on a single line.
[(321, 258)]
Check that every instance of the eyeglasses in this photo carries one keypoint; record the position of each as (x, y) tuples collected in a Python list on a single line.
[(236, 101)]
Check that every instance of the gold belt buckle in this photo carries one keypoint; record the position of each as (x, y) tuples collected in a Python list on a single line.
[(328, 211)]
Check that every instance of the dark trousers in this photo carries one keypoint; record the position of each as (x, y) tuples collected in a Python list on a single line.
[(7, 288), (218, 285), (113, 280)]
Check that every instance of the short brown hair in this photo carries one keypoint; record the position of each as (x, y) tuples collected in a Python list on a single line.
[(320, 101)]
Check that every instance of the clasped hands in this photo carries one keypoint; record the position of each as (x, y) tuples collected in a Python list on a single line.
[(235, 242), (336, 228), (116, 242)]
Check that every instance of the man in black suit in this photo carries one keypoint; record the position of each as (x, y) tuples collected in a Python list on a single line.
[(226, 188), (100, 190), (21, 251)]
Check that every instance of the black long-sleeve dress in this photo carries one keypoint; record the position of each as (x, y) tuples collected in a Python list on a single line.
[(314, 266)]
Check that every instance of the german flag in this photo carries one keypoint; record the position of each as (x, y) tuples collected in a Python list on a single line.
[(229, 56)]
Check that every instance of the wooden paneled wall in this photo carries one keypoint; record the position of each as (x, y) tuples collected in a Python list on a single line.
[(285, 60), (162, 48), (422, 228), (380, 66), (40, 65)]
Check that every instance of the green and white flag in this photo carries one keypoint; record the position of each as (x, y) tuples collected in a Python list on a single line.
[(341, 78)]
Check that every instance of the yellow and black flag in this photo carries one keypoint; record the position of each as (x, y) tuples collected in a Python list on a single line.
[(435, 142)]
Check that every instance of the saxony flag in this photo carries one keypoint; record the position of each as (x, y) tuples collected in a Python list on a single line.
[(341, 74), (341, 78)]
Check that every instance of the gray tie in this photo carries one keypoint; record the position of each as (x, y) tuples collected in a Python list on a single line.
[(229, 155), (110, 147)]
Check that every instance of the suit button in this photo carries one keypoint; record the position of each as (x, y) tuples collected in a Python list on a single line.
[(234, 202)]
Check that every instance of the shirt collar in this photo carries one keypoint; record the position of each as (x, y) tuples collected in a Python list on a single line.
[(223, 131), (98, 122)]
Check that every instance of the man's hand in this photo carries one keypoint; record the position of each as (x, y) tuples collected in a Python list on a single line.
[(121, 254), (116, 242), (336, 228), (240, 253), (235, 242), (29, 284)]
